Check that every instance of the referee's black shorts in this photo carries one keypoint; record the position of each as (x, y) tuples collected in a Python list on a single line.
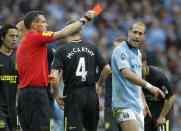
[(34, 109), (81, 110)]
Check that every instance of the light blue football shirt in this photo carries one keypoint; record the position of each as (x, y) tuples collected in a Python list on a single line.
[(125, 94)]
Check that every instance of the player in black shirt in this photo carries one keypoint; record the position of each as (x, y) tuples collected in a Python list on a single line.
[(78, 60), (8, 77), (160, 108)]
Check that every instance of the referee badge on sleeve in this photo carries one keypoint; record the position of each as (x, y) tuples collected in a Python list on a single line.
[(47, 33)]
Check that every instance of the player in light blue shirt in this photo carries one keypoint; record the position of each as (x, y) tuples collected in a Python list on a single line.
[(129, 95), (127, 81)]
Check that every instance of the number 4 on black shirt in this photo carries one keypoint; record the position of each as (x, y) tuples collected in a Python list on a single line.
[(80, 59)]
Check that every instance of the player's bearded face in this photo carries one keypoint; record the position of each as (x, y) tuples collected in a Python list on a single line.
[(136, 35)]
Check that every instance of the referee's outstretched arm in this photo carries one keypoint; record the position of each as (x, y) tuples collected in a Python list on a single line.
[(68, 30)]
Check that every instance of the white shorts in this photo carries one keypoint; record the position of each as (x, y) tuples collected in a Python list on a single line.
[(129, 114)]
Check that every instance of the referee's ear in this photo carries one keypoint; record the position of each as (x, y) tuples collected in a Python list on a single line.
[(34, 25)]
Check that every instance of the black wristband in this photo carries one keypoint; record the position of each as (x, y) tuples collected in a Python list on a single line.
[(82, 20), (88, 19)]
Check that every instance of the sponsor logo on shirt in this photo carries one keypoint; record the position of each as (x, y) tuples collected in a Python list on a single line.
[(136, 66), (125, 115), (10, 78)]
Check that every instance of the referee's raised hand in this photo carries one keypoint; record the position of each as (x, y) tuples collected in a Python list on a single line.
[(89, 15)]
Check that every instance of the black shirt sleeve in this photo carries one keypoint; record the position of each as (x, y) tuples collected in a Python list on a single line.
[(50, 55), (57, 60), (166, 88)]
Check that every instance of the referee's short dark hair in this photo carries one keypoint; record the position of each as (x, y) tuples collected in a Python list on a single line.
[(4, 29), (30, 17)]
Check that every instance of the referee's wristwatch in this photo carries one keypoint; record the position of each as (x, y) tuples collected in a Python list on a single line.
[(84, 19)]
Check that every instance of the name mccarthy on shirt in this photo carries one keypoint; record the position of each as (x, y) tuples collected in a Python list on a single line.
[(79, 50)]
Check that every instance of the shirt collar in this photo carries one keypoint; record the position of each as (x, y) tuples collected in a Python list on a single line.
[(135, 50)]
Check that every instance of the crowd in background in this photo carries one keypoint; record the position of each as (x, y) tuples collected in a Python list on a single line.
[(162, 17)]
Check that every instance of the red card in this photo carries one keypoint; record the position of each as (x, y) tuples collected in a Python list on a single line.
[(97, 8)]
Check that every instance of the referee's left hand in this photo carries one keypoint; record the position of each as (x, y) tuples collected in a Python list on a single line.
[(90, 15)]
